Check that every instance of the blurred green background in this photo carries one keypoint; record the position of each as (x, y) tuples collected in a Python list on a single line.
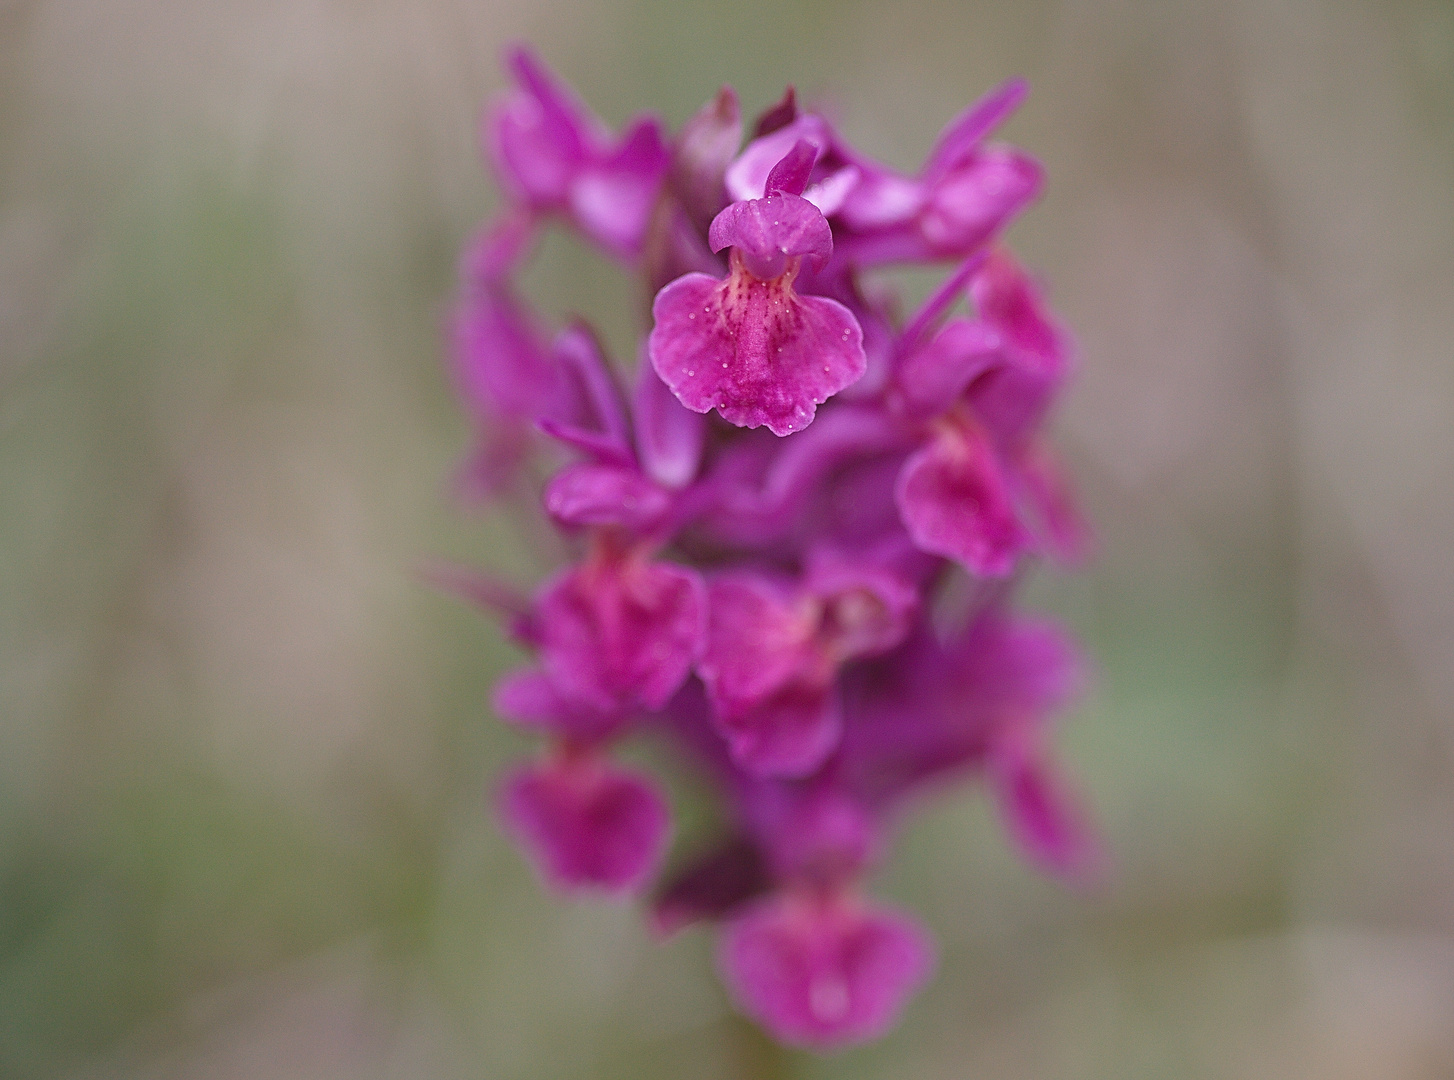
[(244, 758)]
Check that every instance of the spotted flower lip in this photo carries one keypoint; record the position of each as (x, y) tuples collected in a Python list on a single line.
[(749, 346)]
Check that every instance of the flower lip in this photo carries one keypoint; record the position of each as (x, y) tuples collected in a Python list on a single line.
[(751, 348), (586, 824), (823, 973)]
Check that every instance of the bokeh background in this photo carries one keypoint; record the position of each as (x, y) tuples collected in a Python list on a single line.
[(244, 757)]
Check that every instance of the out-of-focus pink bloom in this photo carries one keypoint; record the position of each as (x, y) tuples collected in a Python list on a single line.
[(585, 823), (982, 702), (772, 656), (982, 487), (823, 973), (621, 631), (504, 375), (707, 143), (955, 501), (554, 156)]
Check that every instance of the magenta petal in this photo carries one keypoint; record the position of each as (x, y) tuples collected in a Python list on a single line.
[(790, 175), (830, 193), (881, 200), (622, 634), (505, 378), (758, 638), (789, 733), (483, 590), (823, 976), (969, 128), (534, 160), (556, 156), (612, 200), (1020, 669), (746, 178), (603, 448), (1008, 298), (588, 412), (588, 494), (539, 134), (704, 147), (932, 376), (767, 232), (1013, 400), (500, 366), (528, 698), (1066, 534), (814, 831), (767, 678), (954, 500), (494, 254), (972, 203), (866, 608), (669, 436), (781, 113), (489, 468), (585, 824), (753, 349), (1042, 815), (561, 112)]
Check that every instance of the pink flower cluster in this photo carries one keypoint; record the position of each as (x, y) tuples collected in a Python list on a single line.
[(798, 524)]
